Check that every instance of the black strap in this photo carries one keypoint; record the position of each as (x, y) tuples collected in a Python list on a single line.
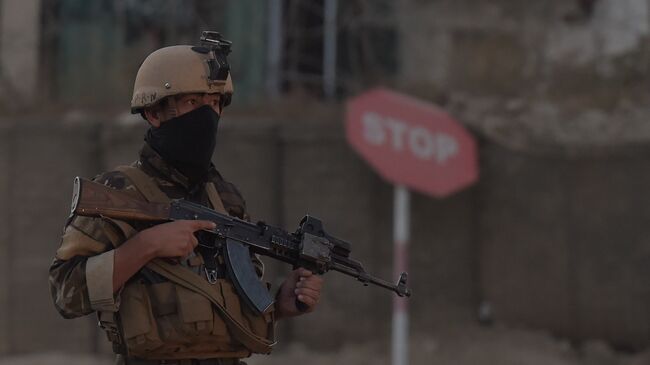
[(213, 269)]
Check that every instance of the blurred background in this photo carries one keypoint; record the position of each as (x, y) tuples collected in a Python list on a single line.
[(546, 260)]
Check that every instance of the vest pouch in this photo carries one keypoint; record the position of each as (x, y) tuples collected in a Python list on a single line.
[(163, 298), (165, 310), (219, 326), (261, 325), (139, 328), (195, 312), (196, 329)]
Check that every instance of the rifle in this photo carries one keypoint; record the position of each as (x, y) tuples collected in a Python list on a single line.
[(309, 246)]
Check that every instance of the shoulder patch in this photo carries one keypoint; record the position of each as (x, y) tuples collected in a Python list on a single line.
[(117, 180)]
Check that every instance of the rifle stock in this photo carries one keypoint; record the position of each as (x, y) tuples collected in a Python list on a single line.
[(94, 199)]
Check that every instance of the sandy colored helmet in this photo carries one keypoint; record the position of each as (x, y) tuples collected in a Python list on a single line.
[(177, 70)]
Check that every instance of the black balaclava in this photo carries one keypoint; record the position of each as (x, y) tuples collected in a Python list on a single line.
[(187, 142)]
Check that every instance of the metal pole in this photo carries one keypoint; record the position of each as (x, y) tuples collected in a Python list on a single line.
[(20, 41), (329, 48), (401, 234), (274, 54)]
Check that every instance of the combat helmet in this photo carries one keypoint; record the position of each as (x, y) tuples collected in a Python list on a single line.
[(184, 69)]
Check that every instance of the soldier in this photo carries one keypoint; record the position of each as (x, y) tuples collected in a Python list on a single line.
[(101, 265)]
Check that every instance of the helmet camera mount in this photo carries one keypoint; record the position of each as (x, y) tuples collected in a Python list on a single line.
[(214, 43)]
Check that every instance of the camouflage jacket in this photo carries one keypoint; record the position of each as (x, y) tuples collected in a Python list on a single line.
[(81, 274)]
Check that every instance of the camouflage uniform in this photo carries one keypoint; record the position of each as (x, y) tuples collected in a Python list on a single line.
[(82, 272)]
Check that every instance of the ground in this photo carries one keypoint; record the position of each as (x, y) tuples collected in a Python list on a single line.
[(457, 345)]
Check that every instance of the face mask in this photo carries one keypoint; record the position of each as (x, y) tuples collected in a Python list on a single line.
[(187, 142)]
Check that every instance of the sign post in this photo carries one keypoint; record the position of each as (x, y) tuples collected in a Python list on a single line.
[(414, 145), (401, 238)]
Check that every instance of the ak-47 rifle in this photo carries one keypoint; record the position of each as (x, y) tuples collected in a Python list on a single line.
[(309, 246)]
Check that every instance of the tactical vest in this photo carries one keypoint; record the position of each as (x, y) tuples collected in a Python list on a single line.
[(183, 316)]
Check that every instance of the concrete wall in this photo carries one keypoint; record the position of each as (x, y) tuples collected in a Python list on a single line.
[(514, 48), (19, 52), (5, 252), (549, 241), (42, 157), (564, 242)]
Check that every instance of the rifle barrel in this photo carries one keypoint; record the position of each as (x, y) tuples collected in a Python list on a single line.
[(399, 288)]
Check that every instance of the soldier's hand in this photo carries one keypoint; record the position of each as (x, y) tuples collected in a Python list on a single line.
[(301, 285), (173, 239)]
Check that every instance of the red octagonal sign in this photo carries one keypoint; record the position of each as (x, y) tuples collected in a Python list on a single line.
[(411, 142)]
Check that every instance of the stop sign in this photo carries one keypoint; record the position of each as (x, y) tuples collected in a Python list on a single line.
[(411, 142)]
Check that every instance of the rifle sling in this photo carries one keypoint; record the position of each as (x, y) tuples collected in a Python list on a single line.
[(153, 194), (215, 199), (179, 274), (144, 184)]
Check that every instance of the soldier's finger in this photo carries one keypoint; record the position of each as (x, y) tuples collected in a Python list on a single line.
[(311, 293), (304, 273), (199, 225), (311, 302), (314, 282), (193, 241)]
